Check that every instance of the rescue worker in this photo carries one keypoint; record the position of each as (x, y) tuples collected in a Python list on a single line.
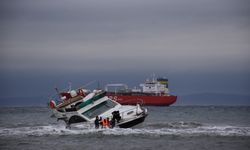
[(104, 123), (116, 116), (97, 122), (101, 122), (107, 123), (112, 122)]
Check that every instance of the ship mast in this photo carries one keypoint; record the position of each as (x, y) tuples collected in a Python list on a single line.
[(153, 75)]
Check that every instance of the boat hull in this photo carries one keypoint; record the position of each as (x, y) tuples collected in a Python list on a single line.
[(145, 99), (133, 122)]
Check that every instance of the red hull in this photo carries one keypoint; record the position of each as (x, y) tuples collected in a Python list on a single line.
[(146, 100)]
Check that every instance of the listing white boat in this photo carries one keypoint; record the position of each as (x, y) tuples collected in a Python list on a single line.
[(83, 106)]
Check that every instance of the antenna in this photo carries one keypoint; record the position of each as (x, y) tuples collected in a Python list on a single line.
[(70, 85), (153, 77), (57, 91), (98, 85)]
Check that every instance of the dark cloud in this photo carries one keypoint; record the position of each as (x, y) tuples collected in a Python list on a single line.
[(135, 36)]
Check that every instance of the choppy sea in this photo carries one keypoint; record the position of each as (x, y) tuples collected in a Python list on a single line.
[(168, 128)]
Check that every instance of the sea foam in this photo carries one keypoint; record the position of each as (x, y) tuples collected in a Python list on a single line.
[(175, 129)]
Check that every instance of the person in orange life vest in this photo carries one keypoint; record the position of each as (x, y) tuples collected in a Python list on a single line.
[(103, 123), (107, 122)]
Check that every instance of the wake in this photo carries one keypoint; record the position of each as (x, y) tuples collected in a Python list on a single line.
[(157, 129)]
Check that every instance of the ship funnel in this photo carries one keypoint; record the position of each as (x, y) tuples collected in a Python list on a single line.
[(163, 81)]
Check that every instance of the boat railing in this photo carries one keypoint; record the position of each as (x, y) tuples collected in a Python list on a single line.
[(56, 95)]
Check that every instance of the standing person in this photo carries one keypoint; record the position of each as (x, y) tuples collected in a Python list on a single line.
[(107, 123), (112, 122), (101, 121), (97, 122), (118, 117)]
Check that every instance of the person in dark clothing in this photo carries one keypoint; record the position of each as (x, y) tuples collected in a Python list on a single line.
[(97, 122), (112, 122), (100, 122), (108, 122), (116, 116)]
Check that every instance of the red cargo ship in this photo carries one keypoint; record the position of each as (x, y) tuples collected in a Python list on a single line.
[(154, 92)]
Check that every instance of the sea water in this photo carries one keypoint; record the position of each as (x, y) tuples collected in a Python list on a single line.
[(168, 128)]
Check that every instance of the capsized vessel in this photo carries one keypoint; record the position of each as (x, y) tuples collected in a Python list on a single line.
[(83, 106)]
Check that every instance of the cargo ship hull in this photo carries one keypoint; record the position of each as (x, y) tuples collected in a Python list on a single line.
[(151, 100), (153, 92)]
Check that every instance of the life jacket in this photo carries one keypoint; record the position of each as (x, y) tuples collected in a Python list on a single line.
[(105, 123)]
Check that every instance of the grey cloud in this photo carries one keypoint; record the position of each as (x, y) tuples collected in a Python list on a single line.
[(201, 45), (36, 34), (123, 10)]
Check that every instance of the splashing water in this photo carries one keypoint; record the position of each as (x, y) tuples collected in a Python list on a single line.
[(176, 128)]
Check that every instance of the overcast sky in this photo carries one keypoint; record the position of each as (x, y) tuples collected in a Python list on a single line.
[(201, 45)]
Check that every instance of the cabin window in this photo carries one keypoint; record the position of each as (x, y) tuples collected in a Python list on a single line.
[(130, 112), (99, 109)]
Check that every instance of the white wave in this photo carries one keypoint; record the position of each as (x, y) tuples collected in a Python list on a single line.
[(209, 131), (85, 129)]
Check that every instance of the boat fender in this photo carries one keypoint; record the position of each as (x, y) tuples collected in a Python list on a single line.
[(52, 104)]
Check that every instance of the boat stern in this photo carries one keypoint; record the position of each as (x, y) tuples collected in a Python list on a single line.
[(138, 117)]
